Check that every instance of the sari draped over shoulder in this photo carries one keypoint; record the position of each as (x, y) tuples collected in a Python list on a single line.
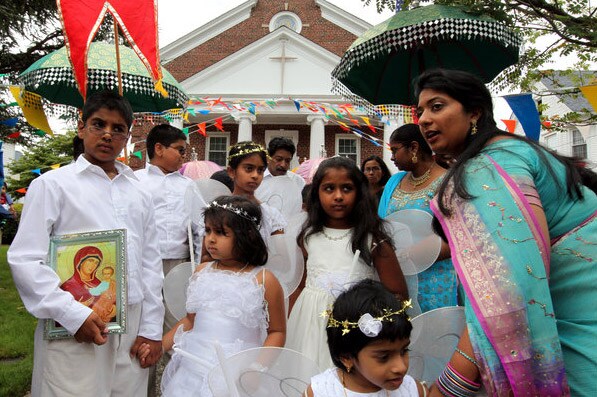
[(502, 259)]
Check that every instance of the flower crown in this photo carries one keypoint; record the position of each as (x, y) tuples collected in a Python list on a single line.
[(235, 210), (248, 148), (369, 325)]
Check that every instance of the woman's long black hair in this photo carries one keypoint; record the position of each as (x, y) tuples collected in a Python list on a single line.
[(474, 96), (363, 219)]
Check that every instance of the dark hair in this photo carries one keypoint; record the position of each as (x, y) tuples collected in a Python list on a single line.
[(109, 100), (385, 171), (408, 133), (164, 134), (248, 243), (366, 296), (474, 96), (280, 142), (305, 193), (78, 147), (241, 150), (363, 218), (222, 176)]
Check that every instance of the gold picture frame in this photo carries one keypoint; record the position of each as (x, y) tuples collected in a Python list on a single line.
[(92, 267)]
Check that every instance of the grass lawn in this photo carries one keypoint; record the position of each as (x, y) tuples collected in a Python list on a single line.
[(16, 336)]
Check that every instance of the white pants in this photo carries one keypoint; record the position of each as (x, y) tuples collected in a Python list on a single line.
[(65, 368)]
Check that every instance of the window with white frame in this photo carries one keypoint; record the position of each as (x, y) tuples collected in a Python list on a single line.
[(551, 141), (348, 146), (579, 146), (217, 148)]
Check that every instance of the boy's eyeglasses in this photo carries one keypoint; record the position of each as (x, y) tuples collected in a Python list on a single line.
[(180, 149), (116, 135)]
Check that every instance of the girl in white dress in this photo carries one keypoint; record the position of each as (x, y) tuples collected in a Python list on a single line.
[(341, 221), (246, 164), (232, 301), (368, 337)]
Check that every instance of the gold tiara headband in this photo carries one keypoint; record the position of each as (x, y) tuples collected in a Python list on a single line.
[(235, 210), (248, 149), (369, 325)]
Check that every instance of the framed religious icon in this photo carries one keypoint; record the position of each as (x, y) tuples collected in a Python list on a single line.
[(92, 267)]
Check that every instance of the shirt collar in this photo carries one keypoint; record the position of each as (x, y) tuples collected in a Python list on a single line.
[(83, 164)]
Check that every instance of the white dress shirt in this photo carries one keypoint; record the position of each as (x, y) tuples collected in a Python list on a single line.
[(77, 198), (171, 217), (294, 177)]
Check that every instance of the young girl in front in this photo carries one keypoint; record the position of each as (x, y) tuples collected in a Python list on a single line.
[(246, 164), (368, 337), (231, 301), (341, 221)]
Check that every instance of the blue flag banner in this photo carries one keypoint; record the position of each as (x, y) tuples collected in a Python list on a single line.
[(526, 112)]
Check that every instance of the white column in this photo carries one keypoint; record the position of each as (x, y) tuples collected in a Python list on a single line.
[(317, 122), (245, 126), (390, 124)]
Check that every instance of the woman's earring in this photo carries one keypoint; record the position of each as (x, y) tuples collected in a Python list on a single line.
[(473, 127), (348, 369), (415, 160)]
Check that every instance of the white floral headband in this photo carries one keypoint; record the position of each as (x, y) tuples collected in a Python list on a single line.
[(370, 326), (235, 210), (248, 149)]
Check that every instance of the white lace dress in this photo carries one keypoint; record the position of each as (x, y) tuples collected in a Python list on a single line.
[(329, 272), (328, 384), (230, 310)]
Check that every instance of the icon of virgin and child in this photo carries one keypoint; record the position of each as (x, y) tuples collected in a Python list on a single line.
[(97, 293)]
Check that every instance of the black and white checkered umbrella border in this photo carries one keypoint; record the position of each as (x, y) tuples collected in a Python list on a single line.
[(98, 79), (423, 33)]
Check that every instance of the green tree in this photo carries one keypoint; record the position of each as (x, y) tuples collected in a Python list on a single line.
[(43, 154)]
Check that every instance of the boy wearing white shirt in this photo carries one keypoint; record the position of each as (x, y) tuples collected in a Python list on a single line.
[(161, 178), (94, 193)]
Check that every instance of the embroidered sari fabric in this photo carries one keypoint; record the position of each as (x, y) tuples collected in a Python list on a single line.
[(438, 284), (529, 296)]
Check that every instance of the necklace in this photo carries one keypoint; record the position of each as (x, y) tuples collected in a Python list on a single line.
[(419, 180), (335, 238), (233, 271), (344, 386)]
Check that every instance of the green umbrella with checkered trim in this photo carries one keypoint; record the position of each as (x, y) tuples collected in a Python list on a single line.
[(380, 65), (52, 78)]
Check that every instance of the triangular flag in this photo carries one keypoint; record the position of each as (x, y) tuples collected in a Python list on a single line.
[(191, 111), (205, 111), (218, 124), (185, 130), (21, 190), (343, 126), (297, 104), (32, 108), (11, 122), (14, 135), (39, 133), (121, 159), (138, 154), (590, 92), (510, 125), (202, 129), (36, 171), (55, 166), (546, 124), (138, 20), (526, 112)]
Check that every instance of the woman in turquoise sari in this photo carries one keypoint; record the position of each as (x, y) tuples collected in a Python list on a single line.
[(413, 188), (521, 225)]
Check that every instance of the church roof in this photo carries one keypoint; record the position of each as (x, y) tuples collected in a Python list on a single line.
[(322, 23)]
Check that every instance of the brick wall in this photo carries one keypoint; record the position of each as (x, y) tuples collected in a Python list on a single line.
[(320, 31)]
